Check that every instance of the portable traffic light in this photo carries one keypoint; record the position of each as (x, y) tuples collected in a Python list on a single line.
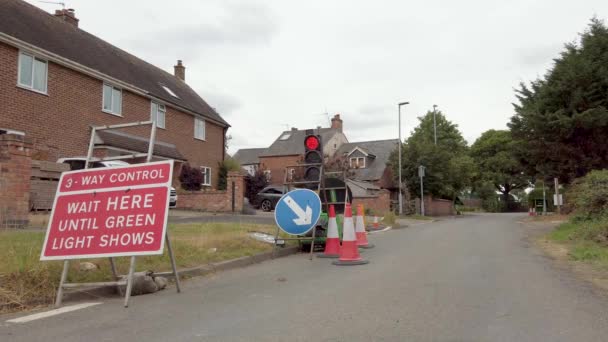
[(313, 154)]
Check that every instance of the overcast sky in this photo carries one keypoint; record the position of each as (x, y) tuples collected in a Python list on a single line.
[(267, 65)]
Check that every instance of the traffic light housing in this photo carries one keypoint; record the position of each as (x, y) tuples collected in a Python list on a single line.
[(313, 156)]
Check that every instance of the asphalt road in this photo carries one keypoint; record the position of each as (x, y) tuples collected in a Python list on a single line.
[(468, 279)]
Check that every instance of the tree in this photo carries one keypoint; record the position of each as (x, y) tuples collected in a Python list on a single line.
[(224, 167), (254, 183), (561, 120), (495, 155), (448, 169), (191, 178)]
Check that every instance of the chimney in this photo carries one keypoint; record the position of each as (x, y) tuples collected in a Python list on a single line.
[(68, 16), (293, 129), (180, 70), (336, 122)]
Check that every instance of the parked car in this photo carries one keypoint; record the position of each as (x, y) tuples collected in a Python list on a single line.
[(269, 196), (77, 163)]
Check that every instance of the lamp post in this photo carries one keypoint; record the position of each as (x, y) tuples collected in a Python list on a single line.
[(434, 123), (400, 142)]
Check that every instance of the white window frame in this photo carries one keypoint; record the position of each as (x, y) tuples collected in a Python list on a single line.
[(103, 97), (357, 165), (31, 85), (268, 174), (292, 174), (154, 115), (206, 171), (197, 131)]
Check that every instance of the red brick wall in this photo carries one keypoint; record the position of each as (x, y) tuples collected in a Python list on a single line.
[(15, 171), (59, 123), (214, 200), (378, 205), (436, 207), (277, 165)]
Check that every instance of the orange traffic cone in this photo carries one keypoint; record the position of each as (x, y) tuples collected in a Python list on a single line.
[(349, 253), (332, 241), (360, 229)]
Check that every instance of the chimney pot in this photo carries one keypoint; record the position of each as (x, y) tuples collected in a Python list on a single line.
[(336, 122), (179, 70), (68, 16)]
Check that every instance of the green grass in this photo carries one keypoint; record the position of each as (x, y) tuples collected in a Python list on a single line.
[(586, 240), (25, 280)]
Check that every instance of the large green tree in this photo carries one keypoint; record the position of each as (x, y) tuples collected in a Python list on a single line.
[(562, 118), (495, 154), (448, 168)]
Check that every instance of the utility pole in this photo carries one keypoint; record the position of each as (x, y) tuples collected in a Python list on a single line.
[(400, 142), (421, 175), (557, 199), (544, 199), (435, 123)]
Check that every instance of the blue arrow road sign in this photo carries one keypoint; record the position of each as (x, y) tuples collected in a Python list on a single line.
[(298, 211)]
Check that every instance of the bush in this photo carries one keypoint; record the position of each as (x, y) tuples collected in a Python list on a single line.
[(223, 169), (589, 195), (253, 185), (190, 178)]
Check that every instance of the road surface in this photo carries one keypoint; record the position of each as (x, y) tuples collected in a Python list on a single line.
[(469, 279)]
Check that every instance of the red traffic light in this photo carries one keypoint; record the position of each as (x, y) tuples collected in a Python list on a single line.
[(312, 142)]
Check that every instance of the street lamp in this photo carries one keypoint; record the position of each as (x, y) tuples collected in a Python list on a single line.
[(434, 123), (400, 180)]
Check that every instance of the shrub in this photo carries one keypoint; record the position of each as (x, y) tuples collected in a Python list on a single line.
[(223, 169), (254, 183), (589, 195), (190, 178)]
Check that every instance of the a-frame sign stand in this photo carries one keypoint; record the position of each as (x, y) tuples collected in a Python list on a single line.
[(129, 282)]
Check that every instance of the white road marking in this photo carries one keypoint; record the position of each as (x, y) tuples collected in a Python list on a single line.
[(55, 312)]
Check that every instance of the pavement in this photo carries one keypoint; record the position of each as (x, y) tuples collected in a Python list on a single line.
[(476, 278)]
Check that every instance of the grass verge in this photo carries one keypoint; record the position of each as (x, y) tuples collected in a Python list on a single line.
[(26, 281), (585, 240), (418, 217)]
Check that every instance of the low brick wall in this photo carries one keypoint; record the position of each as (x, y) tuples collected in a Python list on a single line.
[(436, 207), (472, 202), (15, 171), (44, 181), (378, 205), (215, 200)]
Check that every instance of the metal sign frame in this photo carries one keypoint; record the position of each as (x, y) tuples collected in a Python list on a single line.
[(129, 281)]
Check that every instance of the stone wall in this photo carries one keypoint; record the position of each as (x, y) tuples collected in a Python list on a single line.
[(215, 200), (379, 205), (15, 172)]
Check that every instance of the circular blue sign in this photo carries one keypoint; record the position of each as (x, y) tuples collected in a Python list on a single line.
[(298, 211)]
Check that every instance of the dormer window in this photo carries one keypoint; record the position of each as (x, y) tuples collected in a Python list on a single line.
[(285, 136), (357, 163), (169, 91)]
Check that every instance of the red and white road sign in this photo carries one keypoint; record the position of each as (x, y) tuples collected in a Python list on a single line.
[(115, 211)]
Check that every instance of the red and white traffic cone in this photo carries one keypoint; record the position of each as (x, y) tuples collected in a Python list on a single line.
[(360, 229), (376, 223), (332, 241), (349, 253)]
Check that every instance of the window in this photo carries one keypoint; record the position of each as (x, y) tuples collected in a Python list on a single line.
[(157, 114), (285, 136), (292, 174), (206, 175), (357, 163), (268, 175), (112, 100), (199, 128), (168, 90), (32, 72)]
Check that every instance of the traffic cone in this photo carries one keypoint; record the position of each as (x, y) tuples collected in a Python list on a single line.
[(332, 241), (349, 253), (376, 224), (360, 229)]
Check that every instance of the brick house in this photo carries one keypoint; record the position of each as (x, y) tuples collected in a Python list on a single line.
[(57, 80), (288, 148), (249, 159)]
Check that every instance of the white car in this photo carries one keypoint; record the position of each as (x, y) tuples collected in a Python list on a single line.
[(78, 164)]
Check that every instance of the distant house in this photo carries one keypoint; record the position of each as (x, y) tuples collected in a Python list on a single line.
[(249, 158), (368, 163), (288, 148)]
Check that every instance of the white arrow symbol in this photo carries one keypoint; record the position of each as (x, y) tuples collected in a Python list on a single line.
[(303, 217)]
